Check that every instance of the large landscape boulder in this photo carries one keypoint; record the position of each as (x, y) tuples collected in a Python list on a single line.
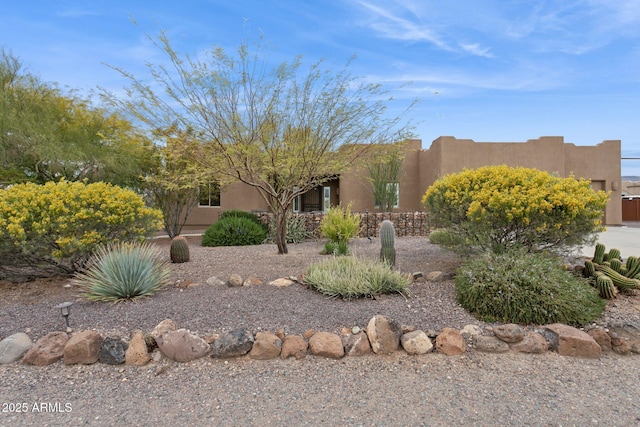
[(532, 342), (47, 350), (294, 346), (416, 342), (82, 348), (232, 344), (326, 344), (450, 342), (509, 333), (491, 345), (266, 346), (384, 334), (357, 344), (137, 353), (112, 351), (182, 346), (13, 347), (569, 341)]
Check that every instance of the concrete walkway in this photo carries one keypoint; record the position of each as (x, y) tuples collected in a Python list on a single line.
[(625, 238)]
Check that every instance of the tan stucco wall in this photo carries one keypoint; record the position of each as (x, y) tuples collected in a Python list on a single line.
[(233, 196), (599, 163), (421, 168)]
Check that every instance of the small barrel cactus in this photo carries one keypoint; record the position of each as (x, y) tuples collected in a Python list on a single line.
[(598, 257), (614, 254), (179, 250), (387, 236)]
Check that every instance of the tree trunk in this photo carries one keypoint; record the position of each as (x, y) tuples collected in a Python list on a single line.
[(281, 232)]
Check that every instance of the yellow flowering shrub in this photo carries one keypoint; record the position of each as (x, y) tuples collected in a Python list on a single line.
[(54, 228), (497, 207)]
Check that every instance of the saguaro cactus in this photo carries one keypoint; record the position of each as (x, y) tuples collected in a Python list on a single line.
[(387, 237), (179, 250)]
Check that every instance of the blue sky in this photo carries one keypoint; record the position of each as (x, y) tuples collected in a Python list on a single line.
[(502, 70)]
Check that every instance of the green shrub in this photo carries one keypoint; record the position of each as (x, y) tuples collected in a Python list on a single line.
[(516, 287), (234, 231), (335, 248), (296, 229), (446, 238), (495, 208), (340, 225), (54, 228), (124, 271), (351, 277), (237, 213)]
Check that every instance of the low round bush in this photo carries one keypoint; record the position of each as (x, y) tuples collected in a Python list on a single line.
[(494, 208), (525, 288), (54, 228), (237, 213), (352, 277), (234, 231), (124, 271)]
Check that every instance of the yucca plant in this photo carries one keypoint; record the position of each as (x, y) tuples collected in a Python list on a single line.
[(124, 271), (352, 277)]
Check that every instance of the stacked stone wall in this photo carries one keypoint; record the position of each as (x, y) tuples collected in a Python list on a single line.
[(405, 223)]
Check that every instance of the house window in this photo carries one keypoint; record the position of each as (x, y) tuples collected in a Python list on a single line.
[(209, 195), (327, 199), (296, 201), (391, 196)]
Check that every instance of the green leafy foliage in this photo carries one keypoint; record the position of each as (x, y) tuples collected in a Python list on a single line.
[(495, 208), (54, 228), (234, 231), (351, 277), (47, 134), (335, 248), (124, 271), (237, 213), (446, 238), (282, 128), (340, 225), (517, 287), (296, 229)]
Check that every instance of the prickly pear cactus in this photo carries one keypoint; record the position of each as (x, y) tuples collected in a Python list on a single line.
[(179, 250), (387, 240)]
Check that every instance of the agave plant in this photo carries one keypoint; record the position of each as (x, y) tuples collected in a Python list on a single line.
[(124, 271)]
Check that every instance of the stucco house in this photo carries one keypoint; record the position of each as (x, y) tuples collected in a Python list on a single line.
[(422, 167)]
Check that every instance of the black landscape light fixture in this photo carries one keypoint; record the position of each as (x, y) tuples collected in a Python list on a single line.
[(65, 311)]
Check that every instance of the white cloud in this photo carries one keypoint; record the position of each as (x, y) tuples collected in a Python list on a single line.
[(398, 28), (476, 49)]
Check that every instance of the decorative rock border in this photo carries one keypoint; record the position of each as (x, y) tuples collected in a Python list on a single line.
[(382, 336)]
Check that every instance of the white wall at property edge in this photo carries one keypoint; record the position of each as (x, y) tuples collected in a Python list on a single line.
[(625, 238)]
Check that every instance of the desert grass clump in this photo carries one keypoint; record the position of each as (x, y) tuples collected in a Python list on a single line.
[(124, 271), (525, 288), (353, 277)]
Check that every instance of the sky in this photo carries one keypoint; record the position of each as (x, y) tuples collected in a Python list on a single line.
[(491, 71)]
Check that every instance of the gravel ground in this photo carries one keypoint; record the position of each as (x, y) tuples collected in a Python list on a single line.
[(474, 389)]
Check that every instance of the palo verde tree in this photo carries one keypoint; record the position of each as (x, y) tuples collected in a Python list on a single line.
[(281, 130), (172, 185), (48, 135)]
